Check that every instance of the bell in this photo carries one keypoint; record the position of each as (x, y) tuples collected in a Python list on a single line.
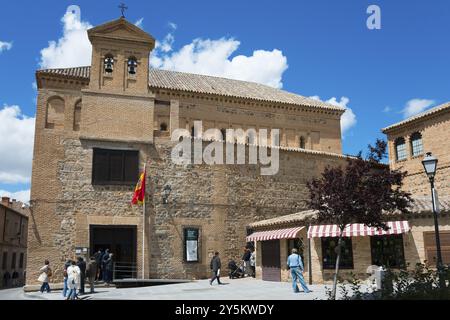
[(132, 64), (109, 64)]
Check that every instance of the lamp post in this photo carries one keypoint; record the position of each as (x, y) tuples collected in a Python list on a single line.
[(430, 165)]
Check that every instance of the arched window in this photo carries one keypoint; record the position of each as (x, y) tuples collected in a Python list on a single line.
[(400, 149), (224, 134), (77, 116), (163, 127), (416, 144), (132, 65), (302, 143), (55, 113), (109, 63)]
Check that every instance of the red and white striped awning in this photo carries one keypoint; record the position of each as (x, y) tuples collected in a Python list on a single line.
[(274, 234), (357, 229)]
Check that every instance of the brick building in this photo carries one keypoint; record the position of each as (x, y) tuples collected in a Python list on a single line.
[(13, 242), (411, 238), (96, 128)]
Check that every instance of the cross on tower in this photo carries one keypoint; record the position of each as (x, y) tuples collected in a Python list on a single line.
[(122, 7)]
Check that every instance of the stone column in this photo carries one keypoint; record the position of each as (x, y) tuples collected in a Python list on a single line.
[(174, 115)]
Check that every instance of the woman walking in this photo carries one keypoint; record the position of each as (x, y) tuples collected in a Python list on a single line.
[(73, 280), (46, 273)]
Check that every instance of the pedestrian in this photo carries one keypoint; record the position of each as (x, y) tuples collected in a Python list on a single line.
[(215, 267), (15, 277), (6, 278), (66, 288), (73, 280), (295, 264), (91, 272), (253, 263), (44, 277), (246, 261), (104, 259), (109, 266), (98, 259), (82, 265)]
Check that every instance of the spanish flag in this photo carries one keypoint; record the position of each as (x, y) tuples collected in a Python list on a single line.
[(139, 191)]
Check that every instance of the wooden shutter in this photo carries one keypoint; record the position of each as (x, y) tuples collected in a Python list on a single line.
[(271, 264), (131, 164), (100, 172), (430, 246)]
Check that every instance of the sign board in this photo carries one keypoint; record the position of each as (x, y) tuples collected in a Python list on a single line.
[(191, 244), (81, 251)]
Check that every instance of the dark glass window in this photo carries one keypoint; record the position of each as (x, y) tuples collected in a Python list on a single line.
[(13, 260), (21, 260), (297, 244), (163, 127), (4, 260), (388, 251), (302, 143), (191, 239), (115, 167), (329, 254)]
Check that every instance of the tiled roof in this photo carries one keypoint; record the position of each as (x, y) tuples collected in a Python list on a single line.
[(420, 206), (445, 106), (196, 83)]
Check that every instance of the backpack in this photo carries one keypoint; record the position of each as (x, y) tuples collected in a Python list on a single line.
[(49, 272), (211, 264)]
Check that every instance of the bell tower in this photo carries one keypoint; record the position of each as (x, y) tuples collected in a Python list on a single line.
[(120, 57), (117, 104)]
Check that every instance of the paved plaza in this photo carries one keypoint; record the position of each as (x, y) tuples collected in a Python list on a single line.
[(236, 289)]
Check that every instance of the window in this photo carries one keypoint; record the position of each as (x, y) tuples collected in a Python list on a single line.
[(416, 144), (224, 134), (4, 260), (191, 236), (21, 260), (329, 253), (163, 127), (115, 167), (109, 63), (55, 114), (302, 143), (400, 149), (13, 260), (388, 251), (132, 65), (77, 117), (297, 244)]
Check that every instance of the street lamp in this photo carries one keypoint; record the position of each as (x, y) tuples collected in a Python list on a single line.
[(430, 165), (166, 192)]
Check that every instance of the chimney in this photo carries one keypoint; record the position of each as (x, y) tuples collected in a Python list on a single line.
[(5, 201)]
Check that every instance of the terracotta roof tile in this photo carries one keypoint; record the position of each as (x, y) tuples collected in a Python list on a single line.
[(173, 80)]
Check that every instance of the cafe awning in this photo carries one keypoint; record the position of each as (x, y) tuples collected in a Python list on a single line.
[(357, 230), (290, 233)]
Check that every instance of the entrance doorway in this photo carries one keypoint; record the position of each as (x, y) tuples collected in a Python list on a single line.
[(121, 242), (270, 256)]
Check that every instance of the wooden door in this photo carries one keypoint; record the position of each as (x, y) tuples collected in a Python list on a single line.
[(270, 256)]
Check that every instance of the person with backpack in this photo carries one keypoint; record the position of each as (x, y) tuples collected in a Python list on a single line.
[(91, 272), (66, 288), (44, 277), (215, 267)]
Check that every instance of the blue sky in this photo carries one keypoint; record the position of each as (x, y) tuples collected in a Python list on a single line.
[(328, 48)]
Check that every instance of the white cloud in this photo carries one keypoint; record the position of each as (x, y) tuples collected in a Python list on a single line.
[(73, 49), (348, 119), (415, 106), (387, 109), (4, 46), (23, 196), (213, 57), (140, 23), (16, 145)]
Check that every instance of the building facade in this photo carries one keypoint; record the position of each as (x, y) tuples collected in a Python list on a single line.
[(411, 139), (98, 126), (13, 243)]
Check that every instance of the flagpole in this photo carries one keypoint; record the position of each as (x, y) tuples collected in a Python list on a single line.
[(143, 226)]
